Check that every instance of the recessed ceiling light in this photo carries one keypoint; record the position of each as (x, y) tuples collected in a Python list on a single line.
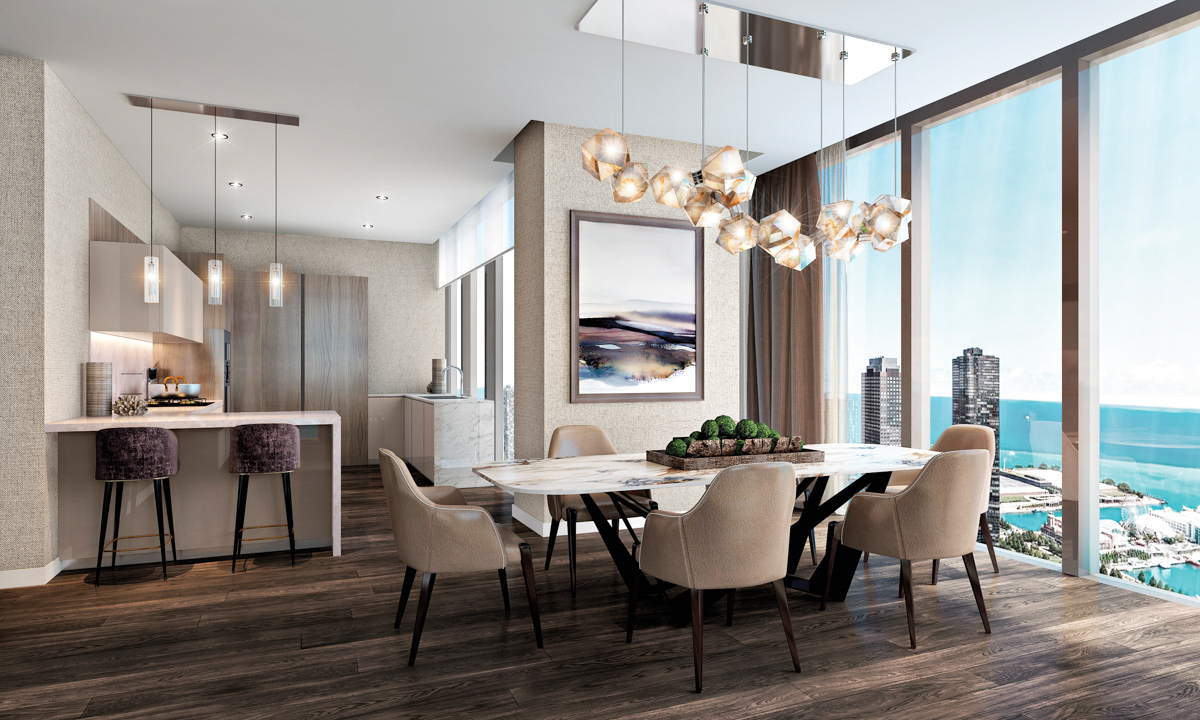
[(247, 217), (235, 184), (220, 136), (368, 226), (381, 197)]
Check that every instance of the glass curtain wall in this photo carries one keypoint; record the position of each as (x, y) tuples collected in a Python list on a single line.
[(1149, 395), (995, 302)]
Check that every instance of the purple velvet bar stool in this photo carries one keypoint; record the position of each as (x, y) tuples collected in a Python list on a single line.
[(128, 455), (262, 449)]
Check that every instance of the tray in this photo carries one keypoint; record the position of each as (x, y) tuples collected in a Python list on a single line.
[(724, 461)]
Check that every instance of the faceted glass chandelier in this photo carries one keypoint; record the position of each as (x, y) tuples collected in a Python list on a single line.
[(777, 231), (705, 208), (837, 222), (795, 255), (605, 153), (886, 221), (724, 171), (672, 187), (738, 233), (630, 183)]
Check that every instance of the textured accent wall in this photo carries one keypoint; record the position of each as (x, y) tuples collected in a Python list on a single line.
[(405, 310), (550, 183)]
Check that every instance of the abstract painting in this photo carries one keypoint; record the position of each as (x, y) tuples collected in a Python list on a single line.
[(637, 313)]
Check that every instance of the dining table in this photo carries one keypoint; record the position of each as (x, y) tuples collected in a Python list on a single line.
[(869, 466)]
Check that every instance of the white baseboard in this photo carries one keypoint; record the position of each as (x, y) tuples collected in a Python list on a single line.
[(581, 528), (30, 577)]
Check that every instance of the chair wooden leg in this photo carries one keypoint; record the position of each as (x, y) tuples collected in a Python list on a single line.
[(866, 557), (103, 529), (572, 520), (287, 505), (409, 574), (729, 607), (504, 588), (117, 521), (550, 543), (162, 540), (422, 610), (698, 637), (973, 573), (936, 564), (906, 589), (786, 616), (833, 547), (632, 615), (531, 591), (170, 519), (239, 519), (987, 538)]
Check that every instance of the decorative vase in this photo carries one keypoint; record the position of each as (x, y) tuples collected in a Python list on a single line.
[(98, 389)]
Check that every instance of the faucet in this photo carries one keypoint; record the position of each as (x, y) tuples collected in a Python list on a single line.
[(461, 378)]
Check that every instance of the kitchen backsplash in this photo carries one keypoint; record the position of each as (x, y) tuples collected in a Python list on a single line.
[(129, 359)]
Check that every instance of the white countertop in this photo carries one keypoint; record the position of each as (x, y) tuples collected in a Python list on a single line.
[(195, 420), (421, 397)]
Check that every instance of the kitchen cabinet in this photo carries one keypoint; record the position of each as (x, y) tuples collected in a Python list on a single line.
[(117, 295), (445, 437)]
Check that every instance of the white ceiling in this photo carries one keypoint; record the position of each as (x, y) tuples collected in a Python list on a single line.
[(414, 100)]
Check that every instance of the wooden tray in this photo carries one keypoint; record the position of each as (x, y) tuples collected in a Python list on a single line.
[(724, 461)]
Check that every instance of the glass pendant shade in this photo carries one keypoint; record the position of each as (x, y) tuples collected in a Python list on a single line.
[(605, 153), (887, 221), (795, 254), (846, 249), (738, 233), (672, 187), (276, 284), (630, 183), (723, 168), (776, 231), (214, 282), (705, 208), (151, 279), (743, 188), (835, 222)]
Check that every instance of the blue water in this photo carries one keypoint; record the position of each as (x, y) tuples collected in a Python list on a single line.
[(1035, 520), (1182, 578)]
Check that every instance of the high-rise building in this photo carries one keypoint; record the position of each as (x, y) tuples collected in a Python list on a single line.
[(976, 396), (881, 402)]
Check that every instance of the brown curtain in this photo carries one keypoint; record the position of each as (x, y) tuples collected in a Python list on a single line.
[(785, 372)]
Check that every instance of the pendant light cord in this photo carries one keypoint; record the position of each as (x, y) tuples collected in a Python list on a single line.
[(822, 175), (151, 177), (215, 141), (896, 122), (277, 189), (843, 168), (746, 41), (703, 83), (622, 67)]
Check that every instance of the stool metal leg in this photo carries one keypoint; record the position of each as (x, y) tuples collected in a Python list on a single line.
[(117, 522), (162, 540), (287, 504), (103, 530), (239, 519), (166, 483)]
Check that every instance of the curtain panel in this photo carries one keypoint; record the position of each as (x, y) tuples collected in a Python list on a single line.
[(784, 330)]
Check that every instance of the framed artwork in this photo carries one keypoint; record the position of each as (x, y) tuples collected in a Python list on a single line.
[(637, 309)]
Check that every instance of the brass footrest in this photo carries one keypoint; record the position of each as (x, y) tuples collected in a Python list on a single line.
[(169, 539), (263, 527)]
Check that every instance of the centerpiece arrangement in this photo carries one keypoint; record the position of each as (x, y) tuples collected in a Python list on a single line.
[(722, 442)]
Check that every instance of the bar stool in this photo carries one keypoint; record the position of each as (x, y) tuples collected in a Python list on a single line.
[(262, 449), (129, 455)]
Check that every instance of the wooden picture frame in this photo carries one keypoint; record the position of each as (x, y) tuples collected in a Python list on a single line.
[(686, 383)]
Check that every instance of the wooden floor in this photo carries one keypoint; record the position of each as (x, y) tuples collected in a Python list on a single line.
[(317, 642)]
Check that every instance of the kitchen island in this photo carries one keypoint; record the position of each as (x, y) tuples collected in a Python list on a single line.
[(204, 492)]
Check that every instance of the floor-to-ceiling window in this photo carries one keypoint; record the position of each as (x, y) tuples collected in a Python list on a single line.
[(995, 339), (1149, 112)]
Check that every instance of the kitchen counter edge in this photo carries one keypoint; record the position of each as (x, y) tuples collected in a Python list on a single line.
[(195, 421)]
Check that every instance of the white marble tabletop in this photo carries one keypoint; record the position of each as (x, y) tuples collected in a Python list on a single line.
[(614, 473), (192, 421)]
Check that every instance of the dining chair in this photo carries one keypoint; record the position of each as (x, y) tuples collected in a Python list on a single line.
[(922, 522), (957, 437), (432, 538), (578, 441), (736, 536)]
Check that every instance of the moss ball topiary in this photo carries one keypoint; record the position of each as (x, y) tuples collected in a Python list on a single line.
[(678, 448), (709, 429), (747, 430), (726, 425), (696, 435)]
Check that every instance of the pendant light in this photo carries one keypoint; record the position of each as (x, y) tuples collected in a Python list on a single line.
[(150, 262), (276, 286), (214, 265), (887, 219), (607, 153), (838, 221), (740, 232), (707, 205), (629, 184)]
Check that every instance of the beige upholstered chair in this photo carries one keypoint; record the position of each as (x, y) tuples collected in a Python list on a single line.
[(434, 538), (578, 441), (957, 437), (736, 536), (932, 518)]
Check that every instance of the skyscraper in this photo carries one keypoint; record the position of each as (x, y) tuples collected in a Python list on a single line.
[(976, 396), (881, 402)]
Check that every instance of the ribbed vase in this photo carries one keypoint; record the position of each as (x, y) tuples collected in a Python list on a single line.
[(98, 389), (438, 384)]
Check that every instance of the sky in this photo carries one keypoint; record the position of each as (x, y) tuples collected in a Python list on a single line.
[(995, 255), (636, 262)]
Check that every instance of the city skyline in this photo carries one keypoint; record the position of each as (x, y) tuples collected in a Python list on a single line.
[(881, 402), (976, 401)]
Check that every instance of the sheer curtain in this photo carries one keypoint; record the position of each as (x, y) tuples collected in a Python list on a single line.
[(784, 329)]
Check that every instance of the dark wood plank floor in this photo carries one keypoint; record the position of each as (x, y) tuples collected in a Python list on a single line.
[(317, 642)]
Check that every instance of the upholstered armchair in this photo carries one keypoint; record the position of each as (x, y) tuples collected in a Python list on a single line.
[(434, 538), (957, 437), (578, 441), (931, 519), (736, 536)]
